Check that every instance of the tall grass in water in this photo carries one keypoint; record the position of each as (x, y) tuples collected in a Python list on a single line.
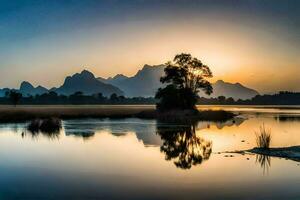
[(263, 137), (49, 127)]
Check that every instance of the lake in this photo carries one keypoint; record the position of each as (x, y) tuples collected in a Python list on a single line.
[(146, 159)]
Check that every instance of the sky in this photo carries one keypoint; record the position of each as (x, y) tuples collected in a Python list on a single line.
[(254, 42)]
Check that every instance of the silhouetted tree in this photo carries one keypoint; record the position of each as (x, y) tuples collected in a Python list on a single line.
[(7, 94), (99, 96), (77, 98), (78, 93), (185, 77), (53, 94), (122, 98), (230, 100), (15, 97), (221, 99), (114, 97)]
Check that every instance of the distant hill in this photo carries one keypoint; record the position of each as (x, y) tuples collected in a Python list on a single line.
[(86, 83), (144, 83), (234, 90), (3, 91), (27, 89)]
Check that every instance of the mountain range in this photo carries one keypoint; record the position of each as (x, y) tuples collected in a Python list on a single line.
[(144, 83), (234, 90), (147, 80), (27, 89), (86, 83)]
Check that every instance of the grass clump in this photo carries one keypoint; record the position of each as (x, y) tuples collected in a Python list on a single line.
[(263, 137), (48, 125)]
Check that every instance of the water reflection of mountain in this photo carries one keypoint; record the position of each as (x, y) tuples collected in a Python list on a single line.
[(220, 125), (143, 129), (85, 134)]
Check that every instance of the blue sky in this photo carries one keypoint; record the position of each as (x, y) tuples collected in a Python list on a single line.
[(60, 37)]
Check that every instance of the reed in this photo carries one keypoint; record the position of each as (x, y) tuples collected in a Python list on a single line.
[(263, 137)]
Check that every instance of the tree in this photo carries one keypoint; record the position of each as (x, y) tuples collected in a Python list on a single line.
[(185, 77), (121, 98), (77, 97), (15, 97), (221, 99), (7, 94), (53, 94), (100, 96), (114, 97), (78, 94), (230, 100)]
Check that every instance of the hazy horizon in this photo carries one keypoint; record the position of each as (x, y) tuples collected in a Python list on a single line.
[(255, 43)]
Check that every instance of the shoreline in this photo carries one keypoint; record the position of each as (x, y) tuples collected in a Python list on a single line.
[(25, 113), (290, 153)]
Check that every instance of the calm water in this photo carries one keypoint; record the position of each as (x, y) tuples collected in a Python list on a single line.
[(146, 159)]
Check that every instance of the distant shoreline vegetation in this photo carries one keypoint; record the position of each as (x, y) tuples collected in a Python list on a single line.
[(78, 98), (25, 113)]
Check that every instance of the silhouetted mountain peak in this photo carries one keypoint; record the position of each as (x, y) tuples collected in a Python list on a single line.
[(86, 73), (86, 83), (144, 83), (239, 85), (25, 85), (120, 76), (146, 66), (219, 82), (40, 87), (234, 90), (152, 67), (150, 71), (28, 89), (117, 77)]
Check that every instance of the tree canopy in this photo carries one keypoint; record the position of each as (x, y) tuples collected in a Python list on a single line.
[(184, 78), (15, 97)]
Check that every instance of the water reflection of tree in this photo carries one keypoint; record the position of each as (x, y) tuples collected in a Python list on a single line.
[(181, 144), (264, 161)]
